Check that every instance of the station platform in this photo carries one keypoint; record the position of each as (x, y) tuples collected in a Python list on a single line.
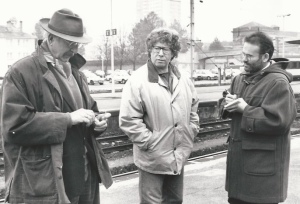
[(204, 182)]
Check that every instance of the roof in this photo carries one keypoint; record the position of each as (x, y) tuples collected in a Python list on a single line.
[(253, 24), (5, 33)]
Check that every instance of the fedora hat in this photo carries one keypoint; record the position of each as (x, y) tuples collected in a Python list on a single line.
[(67, 25)]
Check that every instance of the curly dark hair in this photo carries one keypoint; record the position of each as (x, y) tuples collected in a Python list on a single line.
[(164, 35), (262, 40)]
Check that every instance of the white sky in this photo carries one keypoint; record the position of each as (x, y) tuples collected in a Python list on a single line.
[(213, 18)]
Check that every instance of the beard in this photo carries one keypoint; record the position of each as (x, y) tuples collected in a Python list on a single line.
[(253, 67)]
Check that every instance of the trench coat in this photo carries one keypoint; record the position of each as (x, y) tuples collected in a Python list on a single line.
[(43, 153), (259, 143), (162, 125)]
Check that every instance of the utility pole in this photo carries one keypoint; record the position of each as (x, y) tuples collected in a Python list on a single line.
[(112, 55), (192, 41), (192, 37)]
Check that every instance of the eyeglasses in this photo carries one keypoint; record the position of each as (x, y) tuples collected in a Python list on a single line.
[(165, 50), (247, 56), (73, 45)]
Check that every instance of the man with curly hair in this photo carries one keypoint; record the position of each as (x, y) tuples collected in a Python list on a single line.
[(159, 114)]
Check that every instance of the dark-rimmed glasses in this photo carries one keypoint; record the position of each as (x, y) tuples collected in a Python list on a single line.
[(165, 50)]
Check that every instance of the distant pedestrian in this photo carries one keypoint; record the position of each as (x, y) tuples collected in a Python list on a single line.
[(262, 106), (159, 114), (49, 122)]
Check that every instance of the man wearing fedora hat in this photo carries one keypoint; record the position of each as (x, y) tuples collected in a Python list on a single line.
[(49, 122)]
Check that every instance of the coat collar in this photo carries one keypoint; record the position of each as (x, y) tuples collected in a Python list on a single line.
[(153, 74), (77, 61)]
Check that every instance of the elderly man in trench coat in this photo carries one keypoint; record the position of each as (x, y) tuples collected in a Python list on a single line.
[(48, 122)]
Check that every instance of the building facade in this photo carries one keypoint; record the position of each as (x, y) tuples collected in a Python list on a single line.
[(168, 10), (15, 44), (279, 37)]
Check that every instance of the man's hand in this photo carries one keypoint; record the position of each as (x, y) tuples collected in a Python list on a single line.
[(82, 116), (229, 98), (101, 122), (237, 105)]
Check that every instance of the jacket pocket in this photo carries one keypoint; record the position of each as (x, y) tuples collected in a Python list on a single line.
[(38, 179), (259, 157), (152, 141)]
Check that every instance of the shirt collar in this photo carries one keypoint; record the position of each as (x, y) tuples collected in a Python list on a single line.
[(153, 72), (269, 63)]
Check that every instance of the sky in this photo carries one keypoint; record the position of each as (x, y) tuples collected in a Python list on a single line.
[(213, 18)]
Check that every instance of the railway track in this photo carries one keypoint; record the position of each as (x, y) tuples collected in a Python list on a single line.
[(122, 142)]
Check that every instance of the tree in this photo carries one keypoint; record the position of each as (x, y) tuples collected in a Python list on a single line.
[(183, 36), (105, 52), (120, 49), (216, 45), (137, 38)]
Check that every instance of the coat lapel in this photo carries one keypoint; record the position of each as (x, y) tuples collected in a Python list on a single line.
[(175, 89), (68, 99), (84, 92), (47, 74)]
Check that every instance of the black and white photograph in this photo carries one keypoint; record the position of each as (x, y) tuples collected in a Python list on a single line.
[(150, 102)]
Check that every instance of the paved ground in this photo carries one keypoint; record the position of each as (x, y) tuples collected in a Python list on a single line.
[(204, 182)]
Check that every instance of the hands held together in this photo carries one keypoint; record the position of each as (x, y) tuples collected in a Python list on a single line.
[(89, 117), (234, 104)]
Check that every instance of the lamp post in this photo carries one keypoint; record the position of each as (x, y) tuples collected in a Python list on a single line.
[(112, 55), (283, 16), (192, 36)]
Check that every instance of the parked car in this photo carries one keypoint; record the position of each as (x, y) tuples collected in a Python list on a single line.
[(108, 77), (93, 78), (121, 77), (229, 72), (204, 74), (100, 73)]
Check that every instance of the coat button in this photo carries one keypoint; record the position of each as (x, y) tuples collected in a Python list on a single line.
[(249, 129), (176, 125), (174, 148), (175, 172)]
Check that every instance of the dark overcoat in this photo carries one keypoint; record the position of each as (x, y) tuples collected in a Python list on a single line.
[(44, 158), (259, 145)]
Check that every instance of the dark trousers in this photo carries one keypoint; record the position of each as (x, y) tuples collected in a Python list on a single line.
[(236, 201), (160, 189), (90, 193)]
